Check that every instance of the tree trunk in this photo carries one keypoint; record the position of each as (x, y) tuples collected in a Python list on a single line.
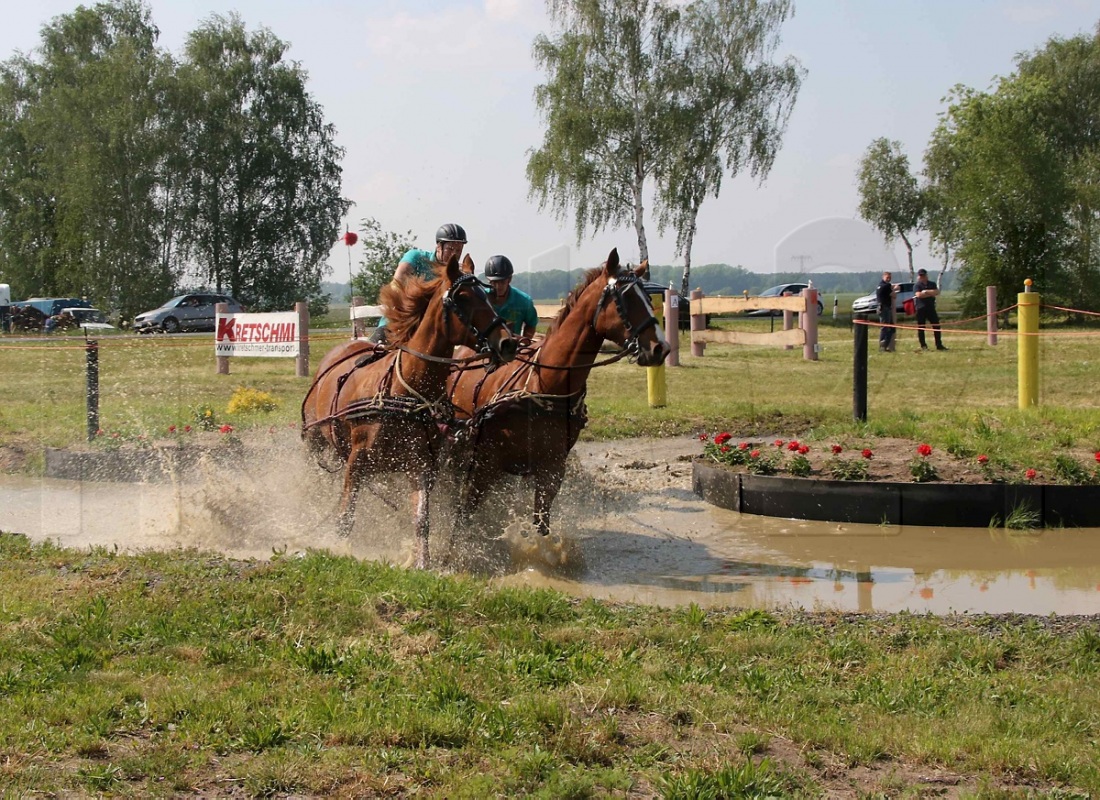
[(689, 240), (909, 249), (639, 215)]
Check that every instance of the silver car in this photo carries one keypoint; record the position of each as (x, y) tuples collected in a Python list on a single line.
[(185, 312), (868, 304)]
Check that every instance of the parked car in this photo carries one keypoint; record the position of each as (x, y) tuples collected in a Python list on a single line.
[(185, 312), (90, 319), (793, 289), (51, 306), (868, 304)]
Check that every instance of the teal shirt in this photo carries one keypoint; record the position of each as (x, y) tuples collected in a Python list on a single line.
[(421, 261), (518, 310)]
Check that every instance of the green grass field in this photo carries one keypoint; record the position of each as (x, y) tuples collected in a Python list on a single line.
[(964, 400), (163, 674)]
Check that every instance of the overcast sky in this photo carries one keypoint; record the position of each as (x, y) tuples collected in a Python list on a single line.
[(432, 102)]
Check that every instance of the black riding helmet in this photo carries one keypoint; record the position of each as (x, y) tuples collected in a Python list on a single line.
[(451, 232), (498, 268)]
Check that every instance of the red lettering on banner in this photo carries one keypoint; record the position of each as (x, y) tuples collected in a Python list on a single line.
[(226, 329)]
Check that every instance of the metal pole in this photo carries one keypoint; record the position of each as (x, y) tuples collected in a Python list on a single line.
[(859, 369), (91, 373)]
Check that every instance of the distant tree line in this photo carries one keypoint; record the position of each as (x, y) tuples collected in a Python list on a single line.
[(1011, 182), (127, 173), (713, 279)]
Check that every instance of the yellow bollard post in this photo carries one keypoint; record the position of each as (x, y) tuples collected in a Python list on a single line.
[(655, 376), (1027, 350)]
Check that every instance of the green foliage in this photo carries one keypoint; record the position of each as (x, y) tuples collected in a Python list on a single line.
[(889, 198), (128, 172), (848, 469), (382, 250), (684, 95), (261, 202), (1013, 178)]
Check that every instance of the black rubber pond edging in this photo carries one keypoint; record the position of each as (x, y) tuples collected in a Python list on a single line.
[(961, 505)]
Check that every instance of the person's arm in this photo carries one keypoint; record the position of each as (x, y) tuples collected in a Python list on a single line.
[(530, 321), (929, 292), (403, 272)]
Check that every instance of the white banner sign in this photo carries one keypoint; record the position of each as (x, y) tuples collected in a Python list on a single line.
[(268, 335)]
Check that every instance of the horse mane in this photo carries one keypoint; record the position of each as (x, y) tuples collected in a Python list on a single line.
[(574, 295), (405, 307)]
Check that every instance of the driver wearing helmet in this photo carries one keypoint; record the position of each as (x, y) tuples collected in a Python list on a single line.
[(449, 241), (513, 306)]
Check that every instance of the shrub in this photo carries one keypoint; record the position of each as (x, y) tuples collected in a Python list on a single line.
[(246, 400)]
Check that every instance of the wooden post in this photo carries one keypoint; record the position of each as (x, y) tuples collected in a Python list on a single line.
[(91, 377), (302, 361), (223, 361), (698, 323), (788, 321), (655, 376), (358, 328), (991, 314), (809, 324), (672, 327), (859, 369)]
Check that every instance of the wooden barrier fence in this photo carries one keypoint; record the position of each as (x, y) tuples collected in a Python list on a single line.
[(805, 333)]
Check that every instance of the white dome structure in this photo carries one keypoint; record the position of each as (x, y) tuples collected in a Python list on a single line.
[(834, 244)]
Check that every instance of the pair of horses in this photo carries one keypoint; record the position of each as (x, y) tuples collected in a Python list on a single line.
[(388, 412)]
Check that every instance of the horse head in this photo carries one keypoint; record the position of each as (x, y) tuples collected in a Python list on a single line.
[(624, 314), (480, 328)]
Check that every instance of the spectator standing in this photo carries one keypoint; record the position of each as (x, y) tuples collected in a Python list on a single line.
[(884, 294), (924, 298)]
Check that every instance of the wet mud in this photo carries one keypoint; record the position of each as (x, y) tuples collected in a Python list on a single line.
[(626, 527)]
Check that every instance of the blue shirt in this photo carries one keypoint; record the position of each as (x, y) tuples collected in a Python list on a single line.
[(518, 310), (422, 262)]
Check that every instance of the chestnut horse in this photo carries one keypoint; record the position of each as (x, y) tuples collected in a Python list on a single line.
[(384, 414), (524, 419)]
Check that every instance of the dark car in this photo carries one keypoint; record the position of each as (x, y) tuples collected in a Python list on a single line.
[(185, 312), (868, 304), (794, 289)]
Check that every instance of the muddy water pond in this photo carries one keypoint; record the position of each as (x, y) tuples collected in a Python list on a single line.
[(627, 528)]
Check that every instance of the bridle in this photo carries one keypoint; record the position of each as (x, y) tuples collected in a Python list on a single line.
[(451, 306), (615, 290)]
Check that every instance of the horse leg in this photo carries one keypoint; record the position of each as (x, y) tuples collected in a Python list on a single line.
[(353, 475), (423, 483), (547, 483)]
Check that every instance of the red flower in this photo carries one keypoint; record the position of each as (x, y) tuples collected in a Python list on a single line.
[(793, 445), (779, 443), (703, 437), (171, 428), (722, 438), (724, 448), (983, 460), (924, 450), (1030, 474), (1098, 456), (225, 429), (754, 454), (837, 449), (866, 453), (186, 428), (804, 449), (743, 446)]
